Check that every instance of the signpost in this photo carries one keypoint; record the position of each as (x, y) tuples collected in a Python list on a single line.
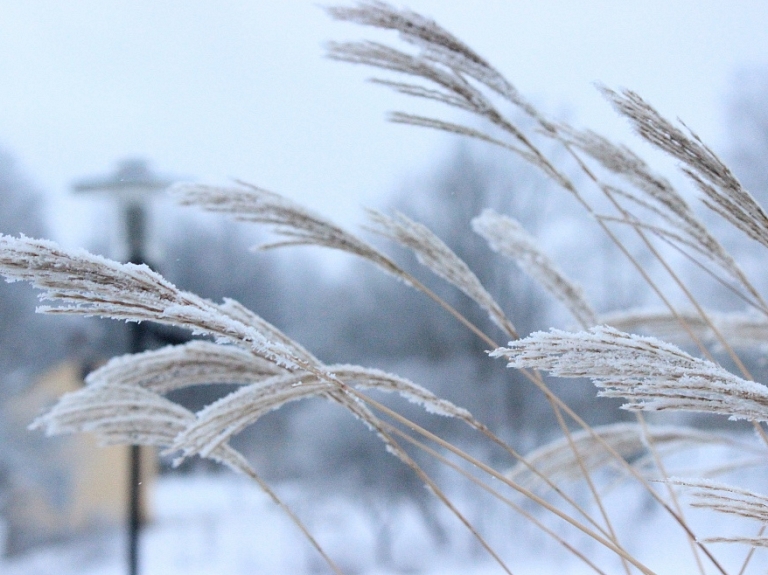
[(131, 184)]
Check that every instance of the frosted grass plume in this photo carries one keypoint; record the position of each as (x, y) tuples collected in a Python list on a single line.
[(650, 374), (508, 237), (123, 401)]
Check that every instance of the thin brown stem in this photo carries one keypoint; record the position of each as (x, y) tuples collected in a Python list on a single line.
[(487, 488), (631, 470), (293, 517), (673, 496), (409, 461), (588, 478), (751, 552), (493, 473), (533, 469)]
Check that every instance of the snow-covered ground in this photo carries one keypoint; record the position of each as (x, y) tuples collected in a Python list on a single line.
[(223, 524)]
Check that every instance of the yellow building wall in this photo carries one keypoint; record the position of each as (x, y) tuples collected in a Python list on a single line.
[(94, 478)]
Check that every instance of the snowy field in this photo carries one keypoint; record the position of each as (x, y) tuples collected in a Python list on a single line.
[(222, 524)]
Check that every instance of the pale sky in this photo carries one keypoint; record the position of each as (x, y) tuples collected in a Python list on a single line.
[(240, 89)]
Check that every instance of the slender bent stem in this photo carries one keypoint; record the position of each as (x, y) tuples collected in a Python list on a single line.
[(493, 473), (588, 478), (672, 495), (289, 512), (487, 488)]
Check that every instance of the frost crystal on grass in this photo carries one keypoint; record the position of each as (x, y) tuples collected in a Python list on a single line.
[(219, 421), (738, 329), (298, 225), (725, 498), (87, 284), (557, 460), (125, 414), (442, 68), (730, 500), (650, 374), (507, 237), (193, 363), (723, 192), (655, 194), (432, 253), (123, 401), (117, 413)]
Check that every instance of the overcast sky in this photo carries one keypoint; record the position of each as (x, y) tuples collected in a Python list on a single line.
[(239, 89)]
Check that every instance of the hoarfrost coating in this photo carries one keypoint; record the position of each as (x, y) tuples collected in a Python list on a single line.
[(651, 374)]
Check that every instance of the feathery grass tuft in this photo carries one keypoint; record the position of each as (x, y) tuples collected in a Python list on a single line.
[(562, 459), (723, 192), (650, 374), (508, 237), (124, 401)]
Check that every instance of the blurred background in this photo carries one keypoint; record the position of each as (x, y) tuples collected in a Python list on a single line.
[(240, 90)]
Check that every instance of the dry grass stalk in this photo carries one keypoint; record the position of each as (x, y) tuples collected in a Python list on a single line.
[(651, 374), (119, 413), (439, 50), (86, 284), (433, 253), (508, 237), (723, 192), (93, 285), (450, 72), (194, 363), (102, 404), (744, 330), (127, 413), (724, 498), (123, 401), (557, 462), (90, 285), (219, 421), (729, 500), (301, 227), (133, 414), (750, 541), (298, 225), (654, 193), (435, 49)]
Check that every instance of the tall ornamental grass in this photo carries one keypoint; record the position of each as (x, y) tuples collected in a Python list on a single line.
[(125, 401)]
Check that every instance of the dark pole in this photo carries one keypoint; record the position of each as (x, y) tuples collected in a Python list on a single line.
[(135, 232), (131, 183), (134, 519)]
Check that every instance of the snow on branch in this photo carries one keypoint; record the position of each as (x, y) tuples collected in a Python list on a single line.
[(650, 374)]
